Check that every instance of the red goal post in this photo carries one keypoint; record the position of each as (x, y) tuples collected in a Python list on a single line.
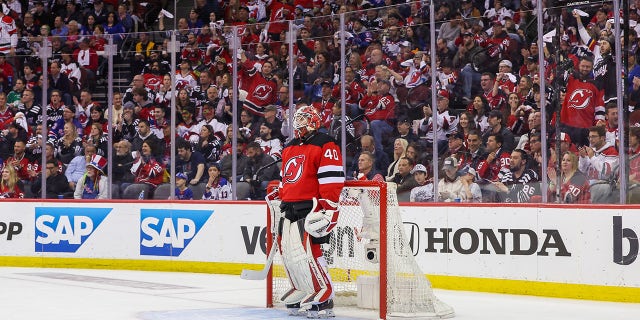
[(370, 262)]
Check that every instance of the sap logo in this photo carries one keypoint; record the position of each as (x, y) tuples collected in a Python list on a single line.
[(169, 232), (66, 229)]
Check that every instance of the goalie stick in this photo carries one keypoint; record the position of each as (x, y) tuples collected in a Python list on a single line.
[(262, 274)]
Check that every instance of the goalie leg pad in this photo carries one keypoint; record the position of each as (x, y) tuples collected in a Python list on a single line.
[(294, 257), (306, 272), (293, 296)]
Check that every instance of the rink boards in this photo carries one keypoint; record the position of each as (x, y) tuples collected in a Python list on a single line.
[(585, 252)]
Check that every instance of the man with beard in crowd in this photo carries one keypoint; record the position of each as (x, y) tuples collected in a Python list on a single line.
[(519, 183), (583, 105)]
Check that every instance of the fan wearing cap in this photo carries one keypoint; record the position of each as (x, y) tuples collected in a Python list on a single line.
[(363, 37), (183, 192), (324, 104), (497, 126), (599, 161), (450, 187), (506, 79), (470, 188), (456, 144), (93, 184), (405, 130), (500, 46), (270, 144), (463, 61), (423, 192)]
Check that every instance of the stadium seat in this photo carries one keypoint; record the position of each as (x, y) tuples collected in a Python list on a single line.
[(133, 191), (243, 190), (162, 192), (198, 190)]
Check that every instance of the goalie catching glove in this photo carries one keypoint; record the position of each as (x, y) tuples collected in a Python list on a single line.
[(322, 218)]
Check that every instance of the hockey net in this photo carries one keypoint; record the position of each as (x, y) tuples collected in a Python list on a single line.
[(370, 261)]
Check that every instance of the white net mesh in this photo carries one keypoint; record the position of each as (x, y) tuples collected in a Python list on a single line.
[(408, 291)]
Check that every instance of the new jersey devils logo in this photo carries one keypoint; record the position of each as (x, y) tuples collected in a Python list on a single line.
[(153, 83), (262, 92), (292, 170), (580, 98)]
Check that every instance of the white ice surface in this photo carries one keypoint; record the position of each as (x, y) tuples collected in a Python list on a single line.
[(70, 294)]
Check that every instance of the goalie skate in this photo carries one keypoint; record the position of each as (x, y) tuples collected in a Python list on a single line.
[(321, 311), (294, 310)]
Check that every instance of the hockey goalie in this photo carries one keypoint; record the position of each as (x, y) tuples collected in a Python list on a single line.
[(312, 179)]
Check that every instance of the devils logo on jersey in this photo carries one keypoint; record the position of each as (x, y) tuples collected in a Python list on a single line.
[(153, 83), (580, 98), (292, 170), (262, 92)]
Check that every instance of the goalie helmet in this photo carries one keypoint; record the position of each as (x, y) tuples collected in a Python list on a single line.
[(305, 120)]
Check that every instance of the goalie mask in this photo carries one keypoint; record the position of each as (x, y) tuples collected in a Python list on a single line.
[(305, 120)]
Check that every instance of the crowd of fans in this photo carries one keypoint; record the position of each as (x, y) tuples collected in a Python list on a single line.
[(487, 130)]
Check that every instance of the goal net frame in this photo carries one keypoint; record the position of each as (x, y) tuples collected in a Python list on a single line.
[(378, 273)]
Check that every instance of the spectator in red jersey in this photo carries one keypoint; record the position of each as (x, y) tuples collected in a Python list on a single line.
[(574, 185), (145, 167), (10, 184), (262, 90), (497, 159), (496, 98), (18, 161), (583, 104), (86, 57), (378, 105), (325, 103)]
